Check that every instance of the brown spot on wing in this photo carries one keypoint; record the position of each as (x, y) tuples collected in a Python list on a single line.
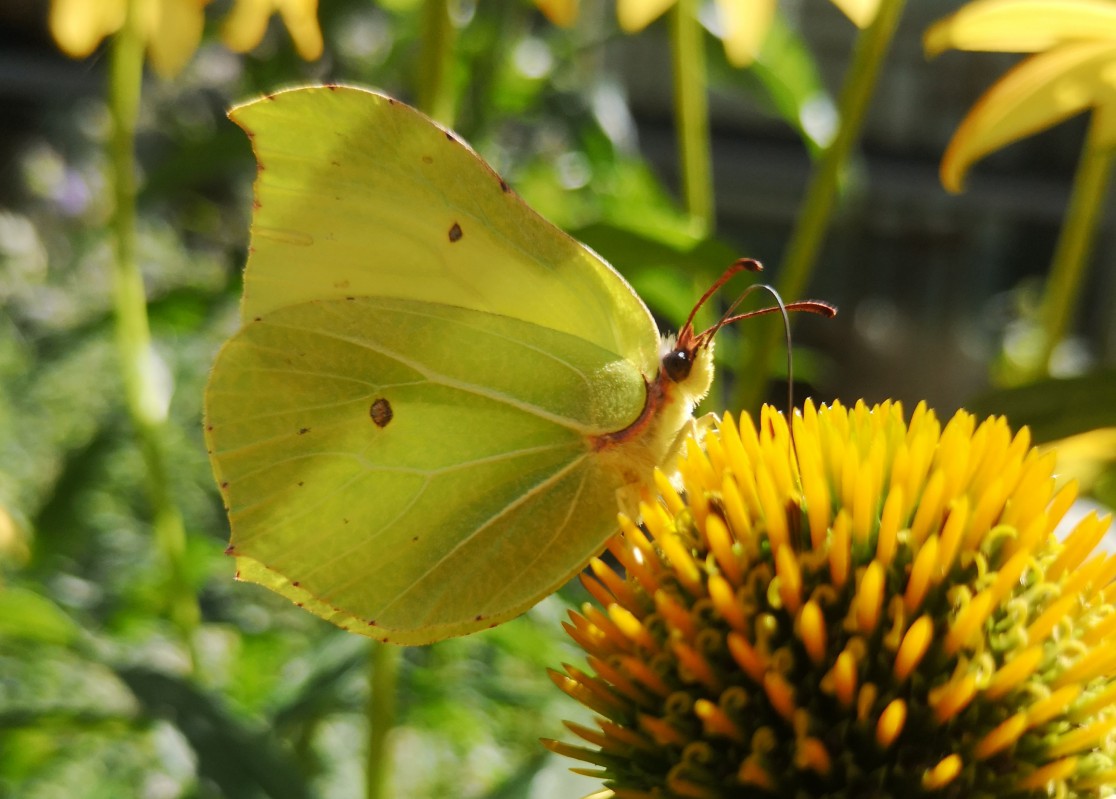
[(381, 412), (455, 233)]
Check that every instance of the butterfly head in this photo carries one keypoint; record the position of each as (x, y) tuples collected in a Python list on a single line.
[(687, 359), (687, 363)]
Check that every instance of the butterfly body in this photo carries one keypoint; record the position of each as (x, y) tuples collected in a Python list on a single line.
[(435, 396)]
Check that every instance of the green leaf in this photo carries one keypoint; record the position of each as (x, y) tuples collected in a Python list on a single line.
[(518, 783), (786, 75), (240, 760), (27, 615), (667, 270), (1055, 409), (1104, 489), (319, 691)]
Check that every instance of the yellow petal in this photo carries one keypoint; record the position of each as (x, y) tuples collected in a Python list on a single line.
[(246, 24), (861, 12), (560, 12), (1021, 26), (301, 19), (1042, 91), (635, 15), (746, 23), (79, 25), (174, 29)]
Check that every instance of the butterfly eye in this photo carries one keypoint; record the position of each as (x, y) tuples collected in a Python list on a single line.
[(677, 365)]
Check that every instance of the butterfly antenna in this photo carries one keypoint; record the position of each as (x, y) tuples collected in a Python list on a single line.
[(783, 309), (806, 306), (737, 266)]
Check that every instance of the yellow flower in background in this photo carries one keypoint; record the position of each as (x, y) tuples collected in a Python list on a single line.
[(173, 29), (860, 12), (562, 13), (744, 22), (1074, 69), (1089, 458), (245, 26), (868, 608)]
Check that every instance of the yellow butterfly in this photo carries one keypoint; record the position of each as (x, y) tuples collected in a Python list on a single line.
[(421, 427)]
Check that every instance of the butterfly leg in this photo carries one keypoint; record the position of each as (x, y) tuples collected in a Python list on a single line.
[(695, 428), (629, 496)]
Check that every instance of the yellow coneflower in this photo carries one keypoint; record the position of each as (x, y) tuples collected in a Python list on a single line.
[(872, 608)]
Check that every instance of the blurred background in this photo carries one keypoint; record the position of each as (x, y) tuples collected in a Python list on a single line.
[(131, 664)]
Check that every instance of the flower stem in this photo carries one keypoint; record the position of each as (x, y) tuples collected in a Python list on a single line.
[(1075, 242), (812, 223), (383, 665), (133, 336), (435, 83), (691, 114)]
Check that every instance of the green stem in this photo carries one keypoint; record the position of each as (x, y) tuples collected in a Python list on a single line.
[(691, 113), (495, 23), (133, 336), (435, 84), (816, 211), (1071, 255), (383, 664)]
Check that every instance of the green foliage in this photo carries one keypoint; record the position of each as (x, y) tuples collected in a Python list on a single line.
[(1055, 408)]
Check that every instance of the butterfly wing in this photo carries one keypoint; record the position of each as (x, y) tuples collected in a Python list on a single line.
[(403, 428), (413, 471), (360, 195)]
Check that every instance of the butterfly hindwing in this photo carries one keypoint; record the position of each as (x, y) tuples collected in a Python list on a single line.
[(414, 470)]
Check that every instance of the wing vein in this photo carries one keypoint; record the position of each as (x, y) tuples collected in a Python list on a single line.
[(556, 533), (542, 485), (370, 467), (450, 382)]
